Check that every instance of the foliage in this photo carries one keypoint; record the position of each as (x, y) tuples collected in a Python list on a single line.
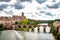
[(50, 23), (1, 25), (24, 21), (30, 27), (35, 22), (45, 21), (57, 19), (54, 31), (16, 22), (58, 35), (24, 29)]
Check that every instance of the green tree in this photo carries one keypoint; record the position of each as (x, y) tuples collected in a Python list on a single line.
[(16, 22), (34, 22), (57, 19), (53, 31), (24, 21), (50, 23), (1, 25), (58, 36)]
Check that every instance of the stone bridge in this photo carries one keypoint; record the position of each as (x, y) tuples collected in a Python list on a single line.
[(17, 26)]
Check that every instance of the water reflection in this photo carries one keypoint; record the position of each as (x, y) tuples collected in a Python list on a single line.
[(48, 29), (0, 32), (41, 29), (7, 35), (21, 35)]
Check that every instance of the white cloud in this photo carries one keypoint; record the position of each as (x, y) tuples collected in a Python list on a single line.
[(7, 9), (3, 14), (9, 3), (32, 10)]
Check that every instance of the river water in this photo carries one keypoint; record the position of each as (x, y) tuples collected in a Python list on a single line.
[(21, 35)]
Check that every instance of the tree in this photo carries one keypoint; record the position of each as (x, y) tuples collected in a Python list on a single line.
[(34, 22), (53, 31), (1, 25), (50, 23), (16, 22), (24, 21), (57, 19)]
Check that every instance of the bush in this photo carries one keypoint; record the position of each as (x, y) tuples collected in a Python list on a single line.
[(1, 25), (16, 22), (53, 31), (1, 29), (58, 35), (30, 27), (24, 29)]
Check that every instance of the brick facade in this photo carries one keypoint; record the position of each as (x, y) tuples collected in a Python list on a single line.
[(56, 25), (9, 21)]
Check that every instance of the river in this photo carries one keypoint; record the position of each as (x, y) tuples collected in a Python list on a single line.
[(21, 35)]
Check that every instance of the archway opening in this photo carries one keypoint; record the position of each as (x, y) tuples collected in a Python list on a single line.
[(24, 26), (19, 26)]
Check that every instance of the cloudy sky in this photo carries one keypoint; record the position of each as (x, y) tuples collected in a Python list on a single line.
[(33, 9)]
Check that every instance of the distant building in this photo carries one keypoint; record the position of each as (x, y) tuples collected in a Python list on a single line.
[(56, 24), (12, 19), (9, 21)]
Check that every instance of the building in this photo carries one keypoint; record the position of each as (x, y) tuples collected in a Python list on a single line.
[(12, 19), (56, 25), (9, 21)]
